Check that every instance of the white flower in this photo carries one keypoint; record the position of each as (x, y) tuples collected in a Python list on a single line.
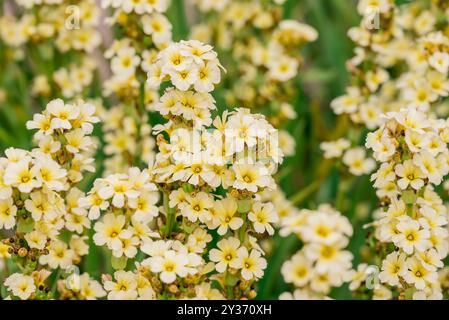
[(36, 239), (409, 175), (8, 213), (334, 149), (251, 177), (49, 173), (170, 265), (110, 231), (393, 267), (125, 287), (283, 68), (226, 255), (262, 215), (59, 255), (225, 212), (208, 76), (418, 275), (40, 206), (20, 175), (117, 187), (440, 61), (411, 236), (197, 207), (357, 161), (20, 285), (62, 114), (42, 122), (251, 265), (298, 270)]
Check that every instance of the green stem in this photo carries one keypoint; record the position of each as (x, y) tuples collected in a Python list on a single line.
[(139, 114), (304, 193), (171, 215), (242, 231), (271, 277), (230, 292), (55, 283)]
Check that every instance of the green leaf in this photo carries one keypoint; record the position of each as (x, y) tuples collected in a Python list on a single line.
[(177, 17), (25, 226), (119, 263), (231, 279)]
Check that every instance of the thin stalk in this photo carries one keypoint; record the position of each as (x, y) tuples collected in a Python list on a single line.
[(171, 215)]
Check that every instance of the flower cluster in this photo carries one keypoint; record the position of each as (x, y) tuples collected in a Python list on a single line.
[(144, 31), (72, 81), (49, 30), (70, 24), (210, 179), (130, 204), (322, 262), (127, 140), (412, 150), (355, 159), (401, 60), (39, 197), (264, 56)]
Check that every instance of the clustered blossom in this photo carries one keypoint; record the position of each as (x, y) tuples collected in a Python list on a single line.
[(412, 150), (45, 20), (355, 159), (39, 197), (238, 155), (69, 26), (144, 31), (71, 81), (126, 139), (264, 53), (322, 262), (401, 60), (130, 203)]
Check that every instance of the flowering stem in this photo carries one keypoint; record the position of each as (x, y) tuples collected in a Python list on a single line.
[(171, 214), (229, 285), (140, 110), (230, 292), (244, 206), (55, 283), (242, 231)]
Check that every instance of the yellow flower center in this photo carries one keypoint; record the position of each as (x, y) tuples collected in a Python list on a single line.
[(410, 237)]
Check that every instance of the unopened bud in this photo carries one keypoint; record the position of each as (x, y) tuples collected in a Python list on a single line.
[(106, 277), (173, 289), (252, 294), (22, 252)]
